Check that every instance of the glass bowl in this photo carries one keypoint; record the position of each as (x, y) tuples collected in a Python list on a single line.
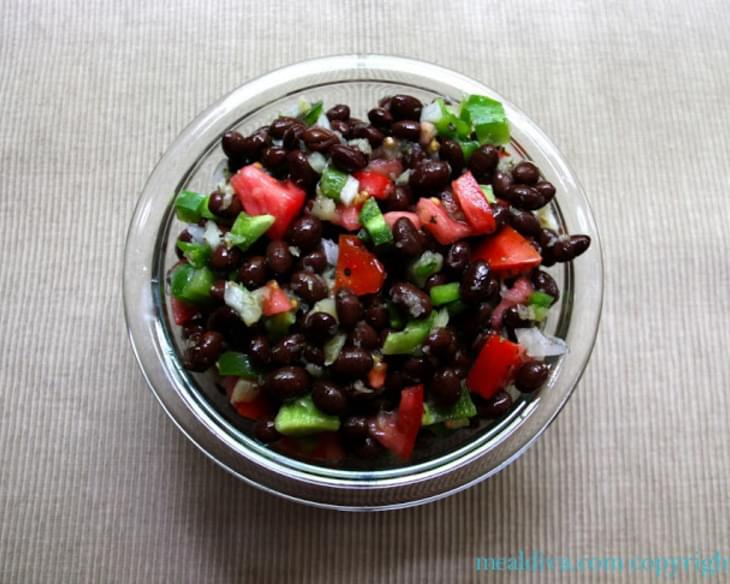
[(195, 161)]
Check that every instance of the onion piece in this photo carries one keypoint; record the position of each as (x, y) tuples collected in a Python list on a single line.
[(324, 208), (431, 113), (212, 234), (244, 391), (362, 145), (349, 191), (333, 347), (246, 304), (317, 161), (331, 251), (197, 233), (539, 345), (323, 122)]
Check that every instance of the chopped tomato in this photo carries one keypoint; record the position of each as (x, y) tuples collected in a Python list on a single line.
[(393, 216), (182, 312), (508, 253), (260, 193), (519, 293), (376, 376), (390, 168), (258, 408), (275, 300), (474, 204), (347, 217), (397, 431), (435, 219), (374, 184), (357, 268), (494, 366)]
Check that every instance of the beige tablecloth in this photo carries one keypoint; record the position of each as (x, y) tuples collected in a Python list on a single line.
[(97, 485)]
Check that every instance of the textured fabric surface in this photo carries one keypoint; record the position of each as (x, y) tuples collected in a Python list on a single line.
[(97, 485)]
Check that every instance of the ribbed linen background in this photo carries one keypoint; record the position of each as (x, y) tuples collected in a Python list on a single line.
[(97, 485)]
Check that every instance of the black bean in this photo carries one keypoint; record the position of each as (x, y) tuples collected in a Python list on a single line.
[(275, 159), (500, 212), (524, 197), (399, 199), (484, 314), (338, 112), (410, 299), (364, 336), (349, 308), (407, 130), (408, 239), (461, 362), (380, 118), (253, 272), (218, 290), (374, 136), (305, 232), (265, 430), (193, 329), (226, 321), (458, 256), (436, 280), (496, 407), (512, 319), (348, 158), (405, 107), (280, 125), (546, 190), (479, 341), (313, 354), (204, 353), (525, 173), (445, 387), (319, 326), (287, 382), (259, 350), (394, 381), (452, 153), (440, 343), (352, 363), (319, 139), (288, 350), (501, 183), (278, 257), (477, 283), (254, 144), (329, 398), (292, 136), (354, 428), (416, 370), (548, 238), (414, 155), (315, 261), (340, 126), (525, 223), (308, 286), (531, 376), (216, 202), (484, 161), (300, 170), (566, 250), (544, 282), (376, 316), (369, 448), (233, 145), (430, 176), (225, 259)]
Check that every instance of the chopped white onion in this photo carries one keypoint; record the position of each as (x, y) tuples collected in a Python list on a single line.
[(326, 305), (323, 122), (295, 251), (244, 391), (314, 370), (196, 232), (538, 345), (303, 105), (331, 251), (431, 113), (403, 178), (349, 191), (441, 319), (428, 133), (362, 145), (245, 303), (333, 347), (547, 219), (212, 234), (317, 161), (324, 208)]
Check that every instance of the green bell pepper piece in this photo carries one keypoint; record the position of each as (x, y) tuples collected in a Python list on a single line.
[(468, 148), (238, 364), (445, 293), (487, 117), (541, 299), (332, 182), (197, 254), (397, 321), (456, 308), (189, 206), (278, 325), (301, 417), (205, 210), (488, 194), (191, 284), (426, 265), (450, 125), (463, 408), (410, 338), (311, 116), (374, 222), (248, 228)]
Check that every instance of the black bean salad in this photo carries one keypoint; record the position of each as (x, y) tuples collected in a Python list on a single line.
[(355, 284)]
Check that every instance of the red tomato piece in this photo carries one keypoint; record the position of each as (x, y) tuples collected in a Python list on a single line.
[(347, 217), (494, 366), (508, 252), (376, 376), (260, 193), (389, 168), (328, 449), (258, 408), (397, 431), (375, 184), (182, 312), (435, 219), (393, 216), (474, 204), (357, 268), (276, 300)]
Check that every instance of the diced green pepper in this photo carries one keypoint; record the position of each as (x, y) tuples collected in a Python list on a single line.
[(333, 347), (197, 254), (541, 299), (238, 364), (488, 193), (191, 284), (468, 148), (397, 322), (332, 182), (487, 117), (410, 338), (189, 206), (445, 293), (450, 125), (248, 228), (301, 417), (374, 222), (311, 116), (426, 265), (463, 408), (205, 210), (278, 325)]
